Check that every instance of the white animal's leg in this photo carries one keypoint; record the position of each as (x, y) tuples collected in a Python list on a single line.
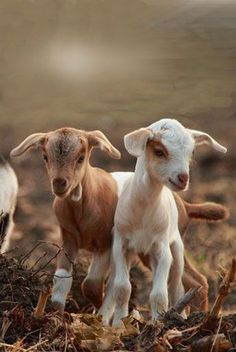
[(62, 282), (7, 226), (93, 285), (176, 289), (107, 308), (63, 276), (122, 286), (161, 263)]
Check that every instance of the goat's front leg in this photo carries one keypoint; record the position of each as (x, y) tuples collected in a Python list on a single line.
[(161, 260), (107, 308), (93, 284), (63, 276), (122, 287), (176, 288)]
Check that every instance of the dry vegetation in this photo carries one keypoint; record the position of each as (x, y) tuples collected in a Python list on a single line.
[(26, 326)]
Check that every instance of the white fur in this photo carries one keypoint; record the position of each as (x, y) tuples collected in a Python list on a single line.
[(147, 207), (76, 195), (121, 177), (61, 286), (8, 198)]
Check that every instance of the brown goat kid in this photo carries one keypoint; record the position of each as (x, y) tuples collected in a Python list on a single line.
[(85, 203)]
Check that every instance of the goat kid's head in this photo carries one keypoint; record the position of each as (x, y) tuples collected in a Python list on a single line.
[(66, 152), (166, 147)]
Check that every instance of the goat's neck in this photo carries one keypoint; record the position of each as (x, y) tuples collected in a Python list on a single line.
[(144, 184), (88, 181), (86, 186)]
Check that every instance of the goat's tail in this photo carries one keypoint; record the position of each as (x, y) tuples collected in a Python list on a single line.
[(208, 211)]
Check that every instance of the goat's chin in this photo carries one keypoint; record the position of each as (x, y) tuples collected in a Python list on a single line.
[(62, 195), (174, 187)]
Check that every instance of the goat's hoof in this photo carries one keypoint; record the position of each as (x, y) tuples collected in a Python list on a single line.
[(58, 307), (118, 324), (105, 322)]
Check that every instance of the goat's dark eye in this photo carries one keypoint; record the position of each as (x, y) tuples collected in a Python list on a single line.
[(81, 159), (45, 158), (159, 153)]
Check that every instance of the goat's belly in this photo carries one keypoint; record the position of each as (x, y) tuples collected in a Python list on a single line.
[(142, 241)]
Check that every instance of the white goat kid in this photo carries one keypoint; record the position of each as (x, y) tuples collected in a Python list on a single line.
[(8, 197), (146, 218)]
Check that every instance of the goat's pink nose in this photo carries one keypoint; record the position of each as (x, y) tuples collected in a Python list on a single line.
[(183, 179)]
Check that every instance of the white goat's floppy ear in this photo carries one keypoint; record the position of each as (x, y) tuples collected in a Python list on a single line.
[(98, 139), (204, 138), (135, 142), (32, 141)]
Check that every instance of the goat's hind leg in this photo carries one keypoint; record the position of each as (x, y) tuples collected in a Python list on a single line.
[(93, 284), (193, 279)]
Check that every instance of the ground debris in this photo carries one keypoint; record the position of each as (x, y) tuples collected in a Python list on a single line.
[(27, 322)]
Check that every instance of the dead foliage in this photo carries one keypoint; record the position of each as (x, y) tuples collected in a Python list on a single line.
[(27, 322)]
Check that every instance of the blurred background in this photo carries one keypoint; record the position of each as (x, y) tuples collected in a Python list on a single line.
[(117, 65)]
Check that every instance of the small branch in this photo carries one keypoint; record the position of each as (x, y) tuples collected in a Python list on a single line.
[(42, 301), (47, 263), (223, 291), (217, 334), (40, 343), (182, 303), (211, 320), (186, 299), (13, 347), (38, 260), (27, 255)]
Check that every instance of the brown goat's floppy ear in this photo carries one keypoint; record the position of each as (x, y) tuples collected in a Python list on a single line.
[(135, 142), (98, 140), (204, 138), (32, 141)]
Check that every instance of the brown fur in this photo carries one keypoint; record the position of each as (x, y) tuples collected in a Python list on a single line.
[(90, 220), (93, 291), (207, 211)]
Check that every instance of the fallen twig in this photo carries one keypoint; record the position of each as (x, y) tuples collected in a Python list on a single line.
[(42, 301), (223, 290), (213, 317), (182, 303)]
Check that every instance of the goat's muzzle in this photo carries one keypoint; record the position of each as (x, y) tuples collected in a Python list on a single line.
[(60, 186)]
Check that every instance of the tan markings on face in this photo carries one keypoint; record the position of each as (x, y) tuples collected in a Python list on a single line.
[(156, 152), (158, 149)]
